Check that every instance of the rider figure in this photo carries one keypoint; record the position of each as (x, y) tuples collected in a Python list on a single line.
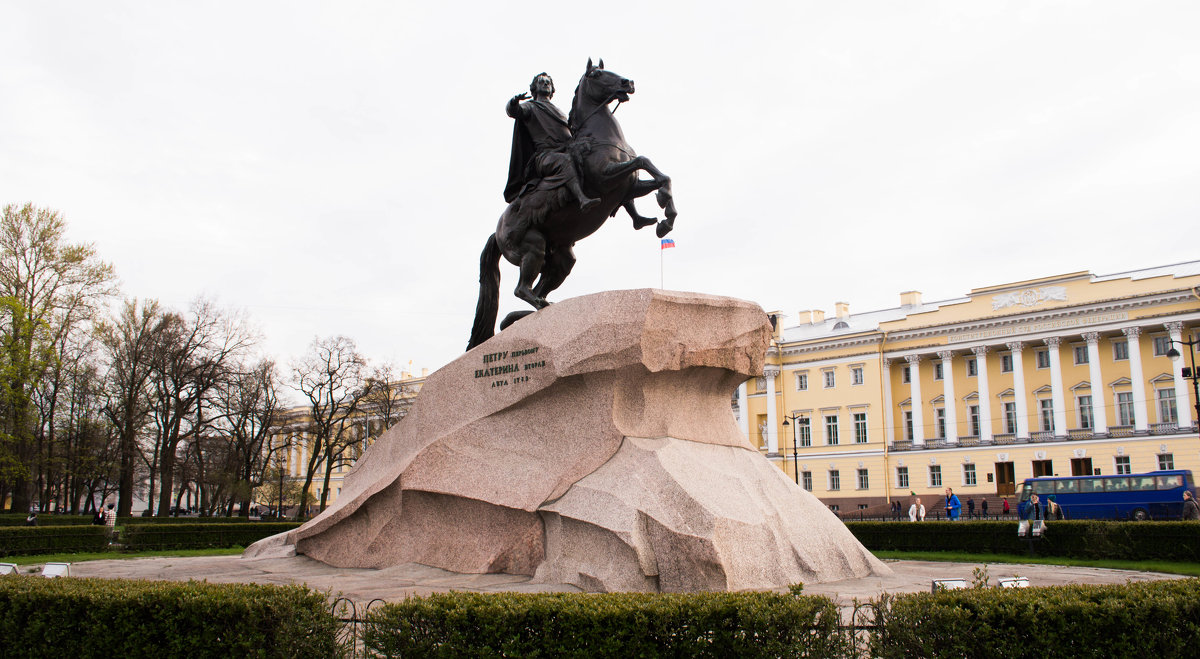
[(540, 139)]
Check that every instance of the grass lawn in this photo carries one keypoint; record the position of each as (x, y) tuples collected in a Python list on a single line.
[(116, 554), (1188, 569)]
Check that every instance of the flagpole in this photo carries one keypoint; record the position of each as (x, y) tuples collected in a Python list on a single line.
[(660, 267)]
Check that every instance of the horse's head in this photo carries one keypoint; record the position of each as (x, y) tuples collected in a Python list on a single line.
[(599, 87)]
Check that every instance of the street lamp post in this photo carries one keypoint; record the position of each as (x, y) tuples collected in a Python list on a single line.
[(795, 448), (1189, 373)]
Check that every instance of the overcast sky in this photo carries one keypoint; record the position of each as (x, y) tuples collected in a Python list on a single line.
[(335, 168)]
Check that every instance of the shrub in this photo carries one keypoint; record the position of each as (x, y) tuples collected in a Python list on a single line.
[(606, 625), (25, 540), (46, 519), (148, 537), (1151, 619), (69, 617), (1093, 539)]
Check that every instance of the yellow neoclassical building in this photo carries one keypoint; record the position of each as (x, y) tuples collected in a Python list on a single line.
[(293, 442), (1062, 375)]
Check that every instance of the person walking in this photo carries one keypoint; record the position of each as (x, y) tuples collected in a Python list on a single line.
[(1006, 509), (983, 508), (953, 506), (970, 508), (110, 521), (1191, 509), (916, 512)]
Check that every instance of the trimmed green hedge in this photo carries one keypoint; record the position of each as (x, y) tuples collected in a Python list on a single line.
[(1150, 619), (1168, 541), (46, 520), (69, 617), (186, 520), (153, 537), (606, 625), (25, 540)]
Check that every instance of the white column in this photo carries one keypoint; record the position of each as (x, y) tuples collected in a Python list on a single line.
[(743, 413), (1056, 387), (951, 401), (1096, 383), (889, 414), (1141, 416), (985, 395), (1018, 363), (769, 373), (293, 458), (914, 365), (1183, 401)]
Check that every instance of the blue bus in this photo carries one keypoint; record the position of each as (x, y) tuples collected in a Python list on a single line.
[(1154, 495)]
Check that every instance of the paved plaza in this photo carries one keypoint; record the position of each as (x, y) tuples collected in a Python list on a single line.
[(394, 583)]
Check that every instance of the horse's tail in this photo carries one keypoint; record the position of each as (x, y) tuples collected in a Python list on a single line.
[(489, 294)]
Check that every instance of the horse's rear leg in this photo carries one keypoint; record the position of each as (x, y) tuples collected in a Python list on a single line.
[(558, 265), (533, 257)]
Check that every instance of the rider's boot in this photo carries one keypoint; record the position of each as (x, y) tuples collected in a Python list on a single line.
[(585, 202)]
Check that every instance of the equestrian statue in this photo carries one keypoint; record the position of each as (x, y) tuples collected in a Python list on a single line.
[(567, 175)]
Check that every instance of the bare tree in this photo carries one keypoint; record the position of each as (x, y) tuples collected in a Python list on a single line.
[(331, 378), (249, 407), (131, 342), (198, 354)]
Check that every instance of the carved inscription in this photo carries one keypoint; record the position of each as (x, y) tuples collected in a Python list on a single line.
[(507, 368)]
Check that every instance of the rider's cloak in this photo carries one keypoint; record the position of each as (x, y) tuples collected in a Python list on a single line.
[(554, 133)]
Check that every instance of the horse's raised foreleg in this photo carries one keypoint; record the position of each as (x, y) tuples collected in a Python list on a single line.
[(559, 263), (533, 257), (661, 183)]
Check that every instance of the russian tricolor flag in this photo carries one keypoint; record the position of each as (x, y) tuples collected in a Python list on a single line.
[(667, 243)]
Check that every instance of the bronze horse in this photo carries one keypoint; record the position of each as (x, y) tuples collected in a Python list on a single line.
[(538, 230)]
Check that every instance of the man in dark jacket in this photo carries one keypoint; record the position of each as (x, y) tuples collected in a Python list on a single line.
[(1191, 509)]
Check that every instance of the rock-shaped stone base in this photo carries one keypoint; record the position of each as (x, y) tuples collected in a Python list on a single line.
[(591, 443)]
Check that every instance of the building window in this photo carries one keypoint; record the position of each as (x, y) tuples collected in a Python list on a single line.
[(1125, 409), (806, 480), (937, 371), (1010, 418), (1043, 358), (835, 479), (1166, 461), (860, 427), (830, 380), (969, 474), (906, 374), (935, 475), (831, 429), (1081, 355), (939, 415), (802, 382), (1047, 414), (1084, 404), (972, 368), (804, 431), (973, 410), (1166, 406), (1161, 345), (864, 481), (1006, 363), (1122, 465), (1120, 350), (908, 429), (856, 375), (902, 477)]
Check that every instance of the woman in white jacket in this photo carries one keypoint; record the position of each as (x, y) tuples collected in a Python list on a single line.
[(916, 512)]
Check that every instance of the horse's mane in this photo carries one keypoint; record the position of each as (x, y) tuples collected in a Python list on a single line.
[(575, 104)]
